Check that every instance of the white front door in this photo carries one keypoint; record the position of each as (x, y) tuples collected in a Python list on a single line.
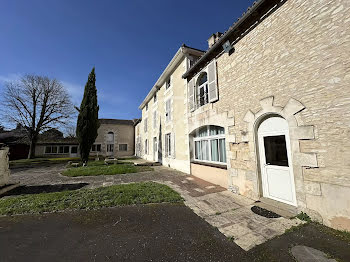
[(155, 149), (275, 160)]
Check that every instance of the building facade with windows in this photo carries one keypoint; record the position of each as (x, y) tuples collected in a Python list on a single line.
[(269, 108), (161, 135), (115, 139)]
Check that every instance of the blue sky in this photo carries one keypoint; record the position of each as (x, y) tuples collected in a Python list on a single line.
[(129, 43)]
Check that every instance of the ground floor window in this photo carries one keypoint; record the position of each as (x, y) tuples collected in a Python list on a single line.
[(168, 144), (96, 148), (56, 149), (209, 144), (74, 150), (123, 147), (146, 146)]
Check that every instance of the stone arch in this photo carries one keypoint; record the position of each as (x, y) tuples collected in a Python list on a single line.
[(296, 133)]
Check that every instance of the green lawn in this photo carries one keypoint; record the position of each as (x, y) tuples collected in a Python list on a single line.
[(117, 195), (98, 168)]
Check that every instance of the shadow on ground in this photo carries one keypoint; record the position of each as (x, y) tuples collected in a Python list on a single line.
[(25, 190), (161, 232)]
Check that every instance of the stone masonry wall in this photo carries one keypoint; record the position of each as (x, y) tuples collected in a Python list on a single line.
[(295, 63)]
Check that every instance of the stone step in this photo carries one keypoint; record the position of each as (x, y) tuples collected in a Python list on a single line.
[(279, 208)]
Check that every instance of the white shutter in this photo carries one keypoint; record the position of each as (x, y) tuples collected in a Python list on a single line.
[(165, 145), (173, 145), (212, 82), (191, 95)]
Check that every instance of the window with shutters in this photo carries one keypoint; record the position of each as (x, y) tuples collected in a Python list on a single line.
[(154, 119), (145, 125), (202, 90), (168, 110), (168, 144), (209, 144), (146, 146)]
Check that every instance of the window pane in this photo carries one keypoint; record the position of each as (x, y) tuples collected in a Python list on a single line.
[(98, 148), (205, 149), (54, 149), (216, 130), (276, 150), (197, 150), (203, 131), (222, 149), (48, 150), (203, 78), (74, 150), (60, 149), (66, 149), (214, 150)]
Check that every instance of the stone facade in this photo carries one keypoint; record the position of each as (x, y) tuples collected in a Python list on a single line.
[(123, 143), (295, 64)]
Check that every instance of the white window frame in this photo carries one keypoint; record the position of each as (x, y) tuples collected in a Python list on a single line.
[(57, 150), (168, 145), (146, 147), (121, 145), (208, 138), (154, 119), (168, 110), (206, 94), (145, 125)]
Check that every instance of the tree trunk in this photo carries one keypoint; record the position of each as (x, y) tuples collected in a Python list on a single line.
[(31, 153)]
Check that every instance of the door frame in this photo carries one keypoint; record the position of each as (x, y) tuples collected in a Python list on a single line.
[(261, 158)]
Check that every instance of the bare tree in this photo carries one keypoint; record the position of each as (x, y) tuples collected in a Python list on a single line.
[(37, 103)]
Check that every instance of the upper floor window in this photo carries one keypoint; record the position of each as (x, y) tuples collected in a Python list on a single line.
[(168, 83), (145, 125), (209, 144), (202, 90), (168, 110), (146, 106), (155, 97), (155, 119)]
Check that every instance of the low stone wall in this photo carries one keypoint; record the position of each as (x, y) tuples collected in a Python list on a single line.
[(4, 166)]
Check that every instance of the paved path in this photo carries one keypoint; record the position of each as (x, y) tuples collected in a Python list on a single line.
[(229, 212)]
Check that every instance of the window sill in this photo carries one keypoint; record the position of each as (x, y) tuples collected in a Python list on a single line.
[(222, 166)]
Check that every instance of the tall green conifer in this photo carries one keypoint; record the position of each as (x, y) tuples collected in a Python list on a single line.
[(88, 124)]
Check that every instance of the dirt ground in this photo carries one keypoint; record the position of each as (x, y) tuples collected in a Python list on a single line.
[(161, 232)]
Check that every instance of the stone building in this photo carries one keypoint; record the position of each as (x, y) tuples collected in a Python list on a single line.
[(266, 110), (115, 139), (161, 134), (277, 86)]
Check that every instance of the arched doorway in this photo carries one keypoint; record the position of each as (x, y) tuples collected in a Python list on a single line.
[(276, 169)]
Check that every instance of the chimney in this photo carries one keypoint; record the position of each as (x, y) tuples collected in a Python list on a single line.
[(213, 39)]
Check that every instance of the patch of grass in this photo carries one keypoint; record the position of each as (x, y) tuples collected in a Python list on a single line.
[(303, 216), (342, 234), (39, 161), (116, 195), (293, 228), (231, 238), (98, 168)]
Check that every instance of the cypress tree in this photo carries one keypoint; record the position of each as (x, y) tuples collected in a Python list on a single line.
[(88, 124)]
